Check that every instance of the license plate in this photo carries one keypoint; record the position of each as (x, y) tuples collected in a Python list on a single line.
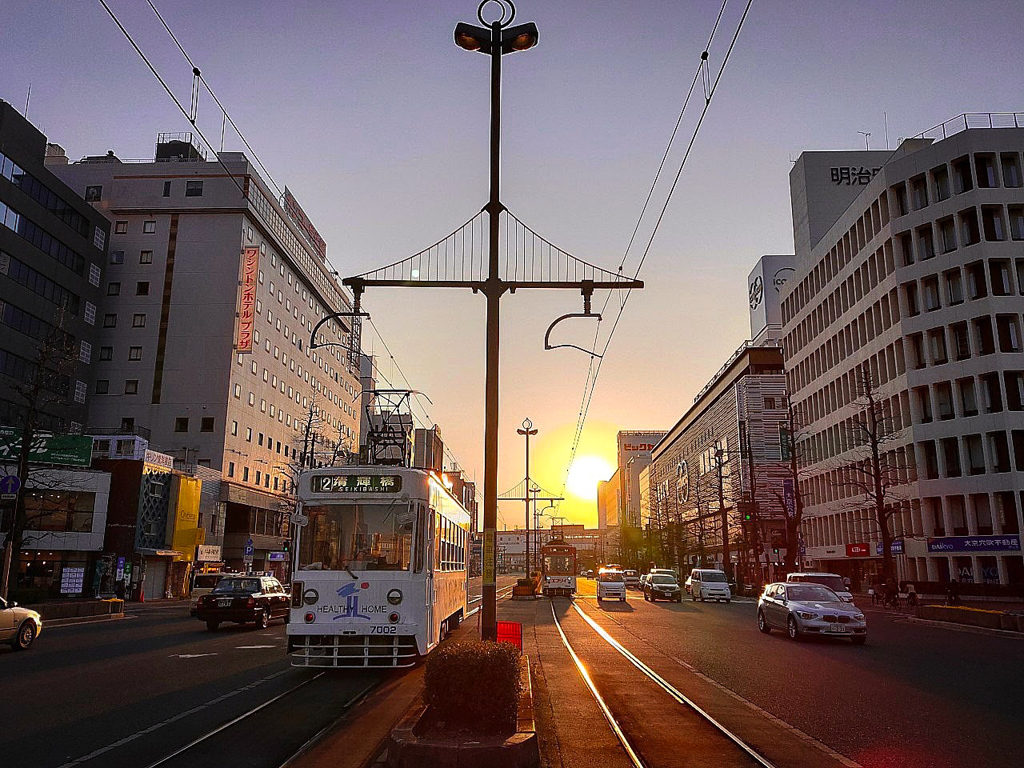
[(836, 628), (224, 602)]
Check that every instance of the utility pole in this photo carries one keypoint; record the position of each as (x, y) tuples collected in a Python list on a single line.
[(537, 264), (526, 432), (726, 555)]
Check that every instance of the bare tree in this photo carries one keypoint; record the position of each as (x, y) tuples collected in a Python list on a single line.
[(793, 513), (871, 470), (46, 383)]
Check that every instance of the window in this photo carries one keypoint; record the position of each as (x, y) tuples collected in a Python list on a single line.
[(113, 289), (962, 181), (167, 189), (968, 398), (206, 424), (85, 352), (992, 222), (931, 293), (117, 257), (131, 387), (925, 242), (937, 338), (146, 257), (969, 230), (999, 272), (259, 440), (134, 353), (991, 396), (1008, 331), (148, 227), (984, 341), (231, 469), (248, 434), (106, 353), (234, 428), (238, 391), (1014, 381), (954, 287), (142, 288), (90, 313), (919, 192), (951, 456), (120, 227), (976, 285), (1016, 222), (252, 399), (181, 424), (924, 404), (1011, 170), (986, 167), (947, 234), (110, 321), (193, 189), (913, 306), (245, 474), (961, 340), (975, 454), (940, 178), (139, 320), (102, 386), (900, 193)]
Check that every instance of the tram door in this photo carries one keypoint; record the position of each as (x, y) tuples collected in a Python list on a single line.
[(429, 519)]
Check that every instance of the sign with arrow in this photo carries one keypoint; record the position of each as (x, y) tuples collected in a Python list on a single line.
[(9, 487)]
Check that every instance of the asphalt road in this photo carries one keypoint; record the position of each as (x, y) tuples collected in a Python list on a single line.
[(916, 696), (134, 692)]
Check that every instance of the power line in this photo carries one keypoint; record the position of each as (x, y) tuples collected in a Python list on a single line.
[(709, 92)]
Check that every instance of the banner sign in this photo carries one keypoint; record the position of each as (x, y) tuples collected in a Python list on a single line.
[(896, 548), (277, 557), (856, 550), (247, 301), (356, 483), (209, 553), (301, 220), (789, 497), (67, 450), (1004, 543)]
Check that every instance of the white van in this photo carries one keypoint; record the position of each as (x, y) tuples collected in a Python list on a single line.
[(831, 580), (610, 585), (203, 585), (709, 584)]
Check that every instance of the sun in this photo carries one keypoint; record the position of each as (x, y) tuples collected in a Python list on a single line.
[(584, 475)]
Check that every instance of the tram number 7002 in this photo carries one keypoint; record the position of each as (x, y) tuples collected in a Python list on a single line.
[(384, 630)]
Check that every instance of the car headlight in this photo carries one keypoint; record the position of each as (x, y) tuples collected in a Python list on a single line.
[(395, 596), (807, 615), (859, 617)]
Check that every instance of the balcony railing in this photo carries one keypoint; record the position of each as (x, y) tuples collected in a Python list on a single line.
[(969, 120)]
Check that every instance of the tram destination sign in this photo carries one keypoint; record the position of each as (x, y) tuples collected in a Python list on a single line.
[(356, 483)]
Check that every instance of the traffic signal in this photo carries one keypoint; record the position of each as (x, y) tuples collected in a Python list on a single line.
[(284, 546)]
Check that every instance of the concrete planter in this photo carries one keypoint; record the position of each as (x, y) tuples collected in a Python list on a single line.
[(80, 608), (986, 619), (520, 750)]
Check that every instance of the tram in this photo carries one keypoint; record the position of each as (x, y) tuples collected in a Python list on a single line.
[(559, 568), (381, 576)]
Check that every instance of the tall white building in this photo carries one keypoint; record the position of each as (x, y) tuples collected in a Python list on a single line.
[(210, 299), (910, 267)]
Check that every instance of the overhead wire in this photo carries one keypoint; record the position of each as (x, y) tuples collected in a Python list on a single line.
[(703, 74)]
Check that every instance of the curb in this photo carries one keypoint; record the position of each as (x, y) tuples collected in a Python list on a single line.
[(965, 628), (74, 620)]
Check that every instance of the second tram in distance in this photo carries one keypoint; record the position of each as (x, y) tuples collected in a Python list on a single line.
[(559, 568)]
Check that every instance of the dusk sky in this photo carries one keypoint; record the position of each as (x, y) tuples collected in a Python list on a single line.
[(378, 124)]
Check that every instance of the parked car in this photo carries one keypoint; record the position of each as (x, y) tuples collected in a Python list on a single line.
[(631, 577), (708, 584), (661, 586), (809, 609), (643, 580), (241, 599), (610, 584), (18, 626), (203, 585), (831, 580)]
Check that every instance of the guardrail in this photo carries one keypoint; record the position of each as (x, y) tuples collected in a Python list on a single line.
[(969, 120)]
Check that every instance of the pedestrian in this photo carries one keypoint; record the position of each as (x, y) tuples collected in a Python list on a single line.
[(847, 583), (912, 595), (953, 592)]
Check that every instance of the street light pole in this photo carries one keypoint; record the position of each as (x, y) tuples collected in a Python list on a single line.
[(526, 431)]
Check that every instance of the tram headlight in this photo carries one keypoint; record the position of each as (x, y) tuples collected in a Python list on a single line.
[(395, 596), (310, 597), (393, 617), (310, 617)]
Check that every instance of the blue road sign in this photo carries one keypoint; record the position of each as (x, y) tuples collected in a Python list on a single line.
[(248, 547), (10, 484)]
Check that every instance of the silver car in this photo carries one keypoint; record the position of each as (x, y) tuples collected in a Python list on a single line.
[(18, 626), (809, 609)]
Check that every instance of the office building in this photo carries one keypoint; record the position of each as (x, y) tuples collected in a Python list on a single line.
[(908, 287)]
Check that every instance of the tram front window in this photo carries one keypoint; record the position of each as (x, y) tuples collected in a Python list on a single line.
[(558, 564), (358, 537)]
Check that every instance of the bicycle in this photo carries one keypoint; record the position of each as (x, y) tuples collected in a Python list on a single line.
[(892, 601)]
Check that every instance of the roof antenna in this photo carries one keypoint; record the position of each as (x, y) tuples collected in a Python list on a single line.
[(866, 135), (28, 98)]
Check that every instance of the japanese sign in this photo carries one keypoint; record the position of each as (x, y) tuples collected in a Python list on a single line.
[(789, 496), (357, 483), (847, 175), (69, 450), (1004, 543), (856, 550), (896, 547), (294, 210), (247, 301)]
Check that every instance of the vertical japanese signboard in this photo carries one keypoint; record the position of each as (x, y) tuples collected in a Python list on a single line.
[(247, 299)]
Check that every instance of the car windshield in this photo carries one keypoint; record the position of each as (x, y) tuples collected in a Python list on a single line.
[(659, 578), (238, 585), (629, 573), (812, 593), (712, 576), (610, 577), (361, 537), (208, 580), (835, 583)]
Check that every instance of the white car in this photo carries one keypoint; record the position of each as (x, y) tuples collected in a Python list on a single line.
[(709, 584), (18, 626), (831, 580), (610, 586)]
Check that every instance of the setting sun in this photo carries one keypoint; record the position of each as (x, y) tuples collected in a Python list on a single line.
[(584, 475)]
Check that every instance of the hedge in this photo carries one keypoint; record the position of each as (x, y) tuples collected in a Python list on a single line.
[(474, 686)]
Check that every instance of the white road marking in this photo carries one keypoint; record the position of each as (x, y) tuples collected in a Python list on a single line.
[(253, 647), (168, 721), (189, 655)]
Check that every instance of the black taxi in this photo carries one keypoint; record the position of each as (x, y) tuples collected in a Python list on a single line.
[(243, 599)]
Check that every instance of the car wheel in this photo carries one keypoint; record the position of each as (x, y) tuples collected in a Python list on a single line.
[(212, 625), (792, 629), (859, 639), (679, 599), (762, 623), (26, 634), (263, 621), (728, 600)]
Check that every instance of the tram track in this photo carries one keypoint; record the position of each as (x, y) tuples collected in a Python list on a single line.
[(625, 723)]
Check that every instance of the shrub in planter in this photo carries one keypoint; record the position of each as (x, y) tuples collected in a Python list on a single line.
[(474, 687)]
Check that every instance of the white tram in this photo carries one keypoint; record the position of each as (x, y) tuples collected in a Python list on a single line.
[(381, 576)]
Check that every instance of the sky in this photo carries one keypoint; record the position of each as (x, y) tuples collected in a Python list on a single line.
[(378, 124)]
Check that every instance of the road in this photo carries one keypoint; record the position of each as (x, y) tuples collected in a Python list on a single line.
[(916, 696), (134, 692)]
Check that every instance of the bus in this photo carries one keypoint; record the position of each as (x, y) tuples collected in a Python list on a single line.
[(559, 568), (381, 576)]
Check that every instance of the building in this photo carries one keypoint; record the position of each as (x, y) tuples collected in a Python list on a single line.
[(633, 451), (589, 543), (724, 452), (213, 289), (907, 286), (52, 257)]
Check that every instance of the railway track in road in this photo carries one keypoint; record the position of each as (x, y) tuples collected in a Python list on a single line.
[(628, 729)]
